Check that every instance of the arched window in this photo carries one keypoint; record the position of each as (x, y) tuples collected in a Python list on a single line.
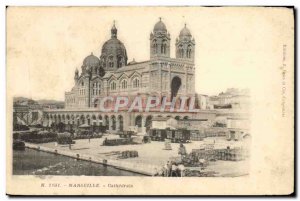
[(164, 47), (189, 51), (119, 62), (104, 61), (111, 62), (136, 83), (124, 84), (181, 52), (113, 86), (82, 91), (94, 89), (154, 46), (98, 88)]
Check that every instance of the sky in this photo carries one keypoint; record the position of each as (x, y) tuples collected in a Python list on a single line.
[(46, 45)]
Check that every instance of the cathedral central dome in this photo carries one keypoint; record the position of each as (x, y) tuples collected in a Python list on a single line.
[(113, 45), (113, 53)]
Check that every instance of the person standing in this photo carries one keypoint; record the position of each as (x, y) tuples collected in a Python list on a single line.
[(166, 168), (182, 151), (181, 168), (174, 170)]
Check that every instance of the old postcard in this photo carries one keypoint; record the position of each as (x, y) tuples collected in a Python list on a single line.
[(150, 100)]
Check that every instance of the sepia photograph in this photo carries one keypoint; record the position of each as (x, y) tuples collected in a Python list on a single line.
[(114, 100)]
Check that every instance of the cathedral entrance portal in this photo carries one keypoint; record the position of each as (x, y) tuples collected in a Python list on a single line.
[(138, 121), (175, 85)]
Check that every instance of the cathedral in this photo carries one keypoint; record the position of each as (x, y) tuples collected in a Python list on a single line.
[(110, 74)]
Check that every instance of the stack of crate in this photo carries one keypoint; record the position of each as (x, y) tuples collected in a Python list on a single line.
[(170, 134), (196, 136), (129, 154), (178, 134), (235, 154), (204, 154)]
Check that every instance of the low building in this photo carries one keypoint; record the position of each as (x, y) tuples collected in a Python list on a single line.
[(172, 123), (238, 128), (202, 101), (164, 123), (232, 98), (193, 124)]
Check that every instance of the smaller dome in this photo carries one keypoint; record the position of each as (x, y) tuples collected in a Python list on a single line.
[(185, 32), (91, 61), (160, 27)]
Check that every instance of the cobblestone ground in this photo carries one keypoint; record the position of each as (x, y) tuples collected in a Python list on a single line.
[(154, 153)]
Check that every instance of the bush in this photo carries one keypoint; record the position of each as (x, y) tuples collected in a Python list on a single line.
[(18, 127), (36, 137), (42, 140)]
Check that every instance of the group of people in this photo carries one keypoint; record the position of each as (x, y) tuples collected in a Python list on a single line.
[(171, 169), (174, 169)]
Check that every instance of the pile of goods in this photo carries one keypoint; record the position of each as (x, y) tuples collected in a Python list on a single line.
[(122, 141), (118, 141), (125, 134), (235, 154), (129, 154), (201, 157), (197, 136), (175, 136), (180, 135), (157, 134), (194, 160)]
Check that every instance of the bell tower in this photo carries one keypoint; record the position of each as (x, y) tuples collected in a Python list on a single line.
[(160, 41), (185, 45)]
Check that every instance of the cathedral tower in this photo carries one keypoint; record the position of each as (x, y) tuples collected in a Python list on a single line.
[(185, 45), (160, 41)]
